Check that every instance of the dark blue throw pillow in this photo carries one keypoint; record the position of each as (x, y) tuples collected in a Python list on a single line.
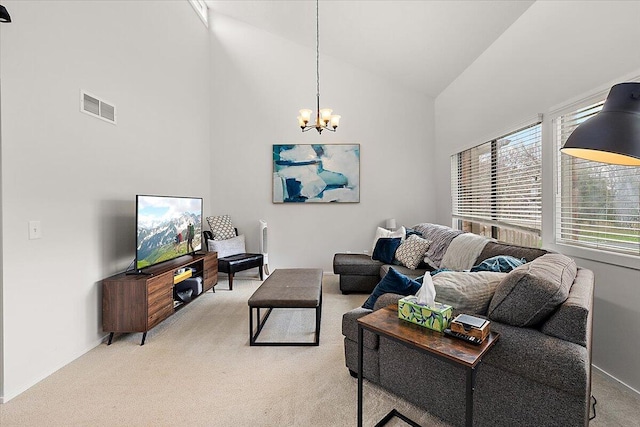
[(385, 249), (394, 283)]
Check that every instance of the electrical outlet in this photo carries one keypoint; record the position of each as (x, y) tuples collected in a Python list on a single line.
[(35, 230)]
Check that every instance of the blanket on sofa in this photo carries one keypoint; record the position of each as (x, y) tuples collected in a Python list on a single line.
[(440, 237), (463, 251)]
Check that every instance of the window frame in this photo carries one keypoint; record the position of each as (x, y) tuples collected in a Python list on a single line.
[(496, 221), (553, 243)]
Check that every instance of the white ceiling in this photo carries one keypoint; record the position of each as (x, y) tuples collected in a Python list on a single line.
[(421, 44)]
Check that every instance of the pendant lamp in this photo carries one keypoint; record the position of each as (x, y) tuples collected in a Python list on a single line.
[(4, 14), (613, 135)]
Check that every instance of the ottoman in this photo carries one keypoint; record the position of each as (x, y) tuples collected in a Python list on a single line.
[(287, 288)]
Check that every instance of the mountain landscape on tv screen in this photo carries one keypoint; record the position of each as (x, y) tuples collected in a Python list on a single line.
[(166, 240)]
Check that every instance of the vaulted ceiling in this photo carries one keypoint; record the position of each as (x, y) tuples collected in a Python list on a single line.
[(421, 44)]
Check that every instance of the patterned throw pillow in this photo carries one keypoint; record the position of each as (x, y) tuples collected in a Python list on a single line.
[(412, 251), (221, 227)]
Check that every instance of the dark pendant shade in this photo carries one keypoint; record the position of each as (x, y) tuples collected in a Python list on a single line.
[(4, 15), (613, 135)]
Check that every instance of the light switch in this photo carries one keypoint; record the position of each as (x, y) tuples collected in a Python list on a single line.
[(35, 230)]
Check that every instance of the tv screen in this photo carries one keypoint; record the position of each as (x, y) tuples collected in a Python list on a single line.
[(167, 228)]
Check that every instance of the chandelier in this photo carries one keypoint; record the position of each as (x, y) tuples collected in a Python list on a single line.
[(324, 118)]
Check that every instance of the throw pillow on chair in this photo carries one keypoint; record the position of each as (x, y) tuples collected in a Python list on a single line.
[(232, 257)]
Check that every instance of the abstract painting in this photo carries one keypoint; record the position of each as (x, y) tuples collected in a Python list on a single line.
[(316, 173)]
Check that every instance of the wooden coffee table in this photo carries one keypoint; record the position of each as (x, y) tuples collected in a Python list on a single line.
[(385, 323)]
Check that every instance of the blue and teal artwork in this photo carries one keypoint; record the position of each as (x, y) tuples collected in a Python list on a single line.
[(316, 173)]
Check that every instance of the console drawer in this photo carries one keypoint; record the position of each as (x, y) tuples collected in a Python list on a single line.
[(159, 316), (160, 283), (162, 297)]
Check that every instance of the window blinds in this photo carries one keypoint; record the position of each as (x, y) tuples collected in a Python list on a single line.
[(499, 182), (597, 204)]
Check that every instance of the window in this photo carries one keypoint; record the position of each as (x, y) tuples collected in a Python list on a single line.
[(496, 188), (597, 204), (202, 10)]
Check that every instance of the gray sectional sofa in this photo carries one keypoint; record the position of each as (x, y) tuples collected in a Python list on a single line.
[(537, 374)]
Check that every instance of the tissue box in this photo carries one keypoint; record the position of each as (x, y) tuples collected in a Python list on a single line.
[(436, 317)]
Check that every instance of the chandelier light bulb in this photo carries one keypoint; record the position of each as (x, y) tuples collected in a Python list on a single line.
[(306, 115), (325, 115)]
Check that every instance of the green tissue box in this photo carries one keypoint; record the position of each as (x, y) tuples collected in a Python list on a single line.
[(437, 317)]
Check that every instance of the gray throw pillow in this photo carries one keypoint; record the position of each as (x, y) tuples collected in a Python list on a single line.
[(530, 293), (227, 247), (466, 291)]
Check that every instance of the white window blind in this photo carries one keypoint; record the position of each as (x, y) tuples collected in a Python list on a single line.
[(498, 184), (597, 204)]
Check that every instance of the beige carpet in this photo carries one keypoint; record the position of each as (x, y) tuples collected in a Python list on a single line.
[(197, 369)]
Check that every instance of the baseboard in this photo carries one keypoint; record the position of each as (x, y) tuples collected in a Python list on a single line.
[(6, 398), (622, 384)]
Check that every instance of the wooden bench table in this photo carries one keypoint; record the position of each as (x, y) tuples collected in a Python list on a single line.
[(287, 288)]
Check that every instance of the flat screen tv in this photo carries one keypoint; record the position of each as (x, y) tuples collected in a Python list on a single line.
[(166, 228)]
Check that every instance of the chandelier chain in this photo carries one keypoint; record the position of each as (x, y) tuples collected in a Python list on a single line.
[(317, 50)]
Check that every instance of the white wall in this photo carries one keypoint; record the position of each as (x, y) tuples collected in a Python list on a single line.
[(556, 52), (259, 82), (79, 175)]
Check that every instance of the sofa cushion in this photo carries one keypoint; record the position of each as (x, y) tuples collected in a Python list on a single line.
[(411, 251), (492, 249), (466, 291), (413, 274), (385, 249), (392, 282), (530, 293), (356, 265), (529, 353)]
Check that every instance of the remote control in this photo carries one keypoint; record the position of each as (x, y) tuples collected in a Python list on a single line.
[(472, 340)]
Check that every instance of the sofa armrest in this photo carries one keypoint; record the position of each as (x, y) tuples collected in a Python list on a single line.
[(385, 300), (350, 327), (350, 320), (531, 354), (572, 320)]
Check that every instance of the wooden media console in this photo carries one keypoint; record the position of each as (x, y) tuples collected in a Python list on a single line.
[(137, 303)]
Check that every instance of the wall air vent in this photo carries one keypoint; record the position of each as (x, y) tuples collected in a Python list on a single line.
[(96, 107)]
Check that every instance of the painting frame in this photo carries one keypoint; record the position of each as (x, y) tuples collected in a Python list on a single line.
[(315, 173)]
